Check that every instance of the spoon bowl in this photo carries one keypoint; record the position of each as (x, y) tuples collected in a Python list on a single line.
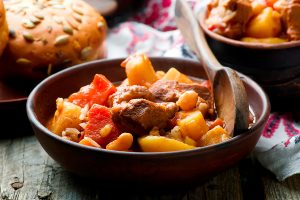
[(229, 92)]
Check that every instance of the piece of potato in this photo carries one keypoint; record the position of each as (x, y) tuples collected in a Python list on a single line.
[(258, 6), (193, 125), (214, 136), (174, 74), (67, 115), (161, 144), (190, 141), (272, 40), (265, 25), (139, 70), (160, 74)]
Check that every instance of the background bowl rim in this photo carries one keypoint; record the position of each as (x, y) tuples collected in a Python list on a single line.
[(201, 15), (198, 150)]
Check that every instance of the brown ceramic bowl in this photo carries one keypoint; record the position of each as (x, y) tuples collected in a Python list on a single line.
[(276, 67), (181, 167)]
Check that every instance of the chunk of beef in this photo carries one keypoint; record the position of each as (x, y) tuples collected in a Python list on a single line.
[(229, 17), (126, 93), (165, 90), (170, 91), (290, 14), (139, 116)]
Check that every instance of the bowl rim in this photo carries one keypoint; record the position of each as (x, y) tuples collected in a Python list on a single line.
[(183, 153), (201, 15)]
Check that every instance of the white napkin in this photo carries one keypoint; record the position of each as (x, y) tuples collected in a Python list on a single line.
[(278, 149)]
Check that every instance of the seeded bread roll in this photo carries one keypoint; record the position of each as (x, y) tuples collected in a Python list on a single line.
[(3, 28), (49, 35)]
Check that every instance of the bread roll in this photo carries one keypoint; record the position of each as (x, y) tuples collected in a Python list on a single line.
[(3, 28), (49, 35)]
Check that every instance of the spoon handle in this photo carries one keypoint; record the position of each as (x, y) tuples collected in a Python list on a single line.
[(198, 44)]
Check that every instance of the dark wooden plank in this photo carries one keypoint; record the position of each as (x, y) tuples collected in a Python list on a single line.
[(251, 181), (225, 185), (27, 172), (23, 168), (288, 189)]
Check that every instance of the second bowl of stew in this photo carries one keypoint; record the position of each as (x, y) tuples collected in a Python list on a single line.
[(271, 59)]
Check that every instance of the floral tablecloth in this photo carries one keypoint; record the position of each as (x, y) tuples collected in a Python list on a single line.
[(153, 31)]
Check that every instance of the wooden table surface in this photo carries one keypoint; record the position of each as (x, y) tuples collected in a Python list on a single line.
[(27, 172)]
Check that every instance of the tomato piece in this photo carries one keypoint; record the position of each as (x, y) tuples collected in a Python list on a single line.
[(217, 122), (95, 93), (206, 84), (270, 3), (216, 28), (98, 117)]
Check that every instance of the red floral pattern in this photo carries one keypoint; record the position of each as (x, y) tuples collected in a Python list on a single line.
[(281, 126), (271, 126), (158, 14)]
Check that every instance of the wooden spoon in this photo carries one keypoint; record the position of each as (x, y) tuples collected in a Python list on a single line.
[(229, 92)]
